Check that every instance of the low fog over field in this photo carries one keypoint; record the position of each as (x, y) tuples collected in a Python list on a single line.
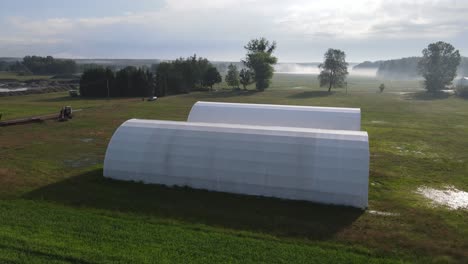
[(312, 68)]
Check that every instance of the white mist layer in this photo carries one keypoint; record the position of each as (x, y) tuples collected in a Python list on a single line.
[(4, 90), (312, 68)]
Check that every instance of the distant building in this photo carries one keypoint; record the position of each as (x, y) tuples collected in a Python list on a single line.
[(463, 81)]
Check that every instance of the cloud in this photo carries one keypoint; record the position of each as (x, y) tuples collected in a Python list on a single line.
[(29, 41), (361, 19), (215, 24), (45, 27), (338, 19)]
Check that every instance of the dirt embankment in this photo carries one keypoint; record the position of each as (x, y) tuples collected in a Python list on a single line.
[(13, 87)]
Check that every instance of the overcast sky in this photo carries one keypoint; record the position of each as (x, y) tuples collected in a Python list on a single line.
[(218, 29)]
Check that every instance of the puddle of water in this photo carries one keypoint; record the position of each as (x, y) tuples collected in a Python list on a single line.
[(86, 140), (419, 150), (5, 90), (378, 122), (449, 91), (79, 163), (374, 212), (450, 197)]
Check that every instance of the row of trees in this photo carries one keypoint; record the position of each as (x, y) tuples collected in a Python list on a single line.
[(438, 66), (181, 75), (128, 82), (185, 75), (166, 78)]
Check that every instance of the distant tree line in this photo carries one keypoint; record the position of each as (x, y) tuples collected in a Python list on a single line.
[(87, 66), (40, 66), (405, 68), (49, 66), (13, 66), (368, 65), (4, 65), (128, 82)]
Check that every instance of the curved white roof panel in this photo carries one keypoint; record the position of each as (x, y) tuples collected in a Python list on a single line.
[(463, 81), (325, 166), (277, 115)]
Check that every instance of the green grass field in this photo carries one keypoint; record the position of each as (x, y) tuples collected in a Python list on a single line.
[(56, 207)]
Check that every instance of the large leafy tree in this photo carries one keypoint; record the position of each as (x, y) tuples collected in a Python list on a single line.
[(439, 65), (245, 78), (211, 77), (334, 69), (232, 76), (260, 61)]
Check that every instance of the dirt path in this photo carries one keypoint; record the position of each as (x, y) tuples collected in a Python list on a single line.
[(32, 119)]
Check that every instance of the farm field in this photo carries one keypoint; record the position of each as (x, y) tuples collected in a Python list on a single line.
[(56, 207)]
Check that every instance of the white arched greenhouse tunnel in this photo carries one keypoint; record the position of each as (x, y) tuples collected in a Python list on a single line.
[(277, 115), (290, 162)]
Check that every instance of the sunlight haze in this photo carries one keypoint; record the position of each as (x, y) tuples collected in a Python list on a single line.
[(218, 30)]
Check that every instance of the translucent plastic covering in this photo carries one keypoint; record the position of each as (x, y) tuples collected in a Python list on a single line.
[(463, 81), (325, 166), (277, 115)]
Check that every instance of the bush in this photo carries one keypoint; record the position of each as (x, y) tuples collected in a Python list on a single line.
[(382, 88), (462, 91)]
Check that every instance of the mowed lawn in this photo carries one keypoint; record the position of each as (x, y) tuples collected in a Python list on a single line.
[(55, 205)]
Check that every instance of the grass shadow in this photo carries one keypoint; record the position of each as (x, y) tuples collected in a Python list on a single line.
[(310, 94), (425, 96), (259, 214)]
